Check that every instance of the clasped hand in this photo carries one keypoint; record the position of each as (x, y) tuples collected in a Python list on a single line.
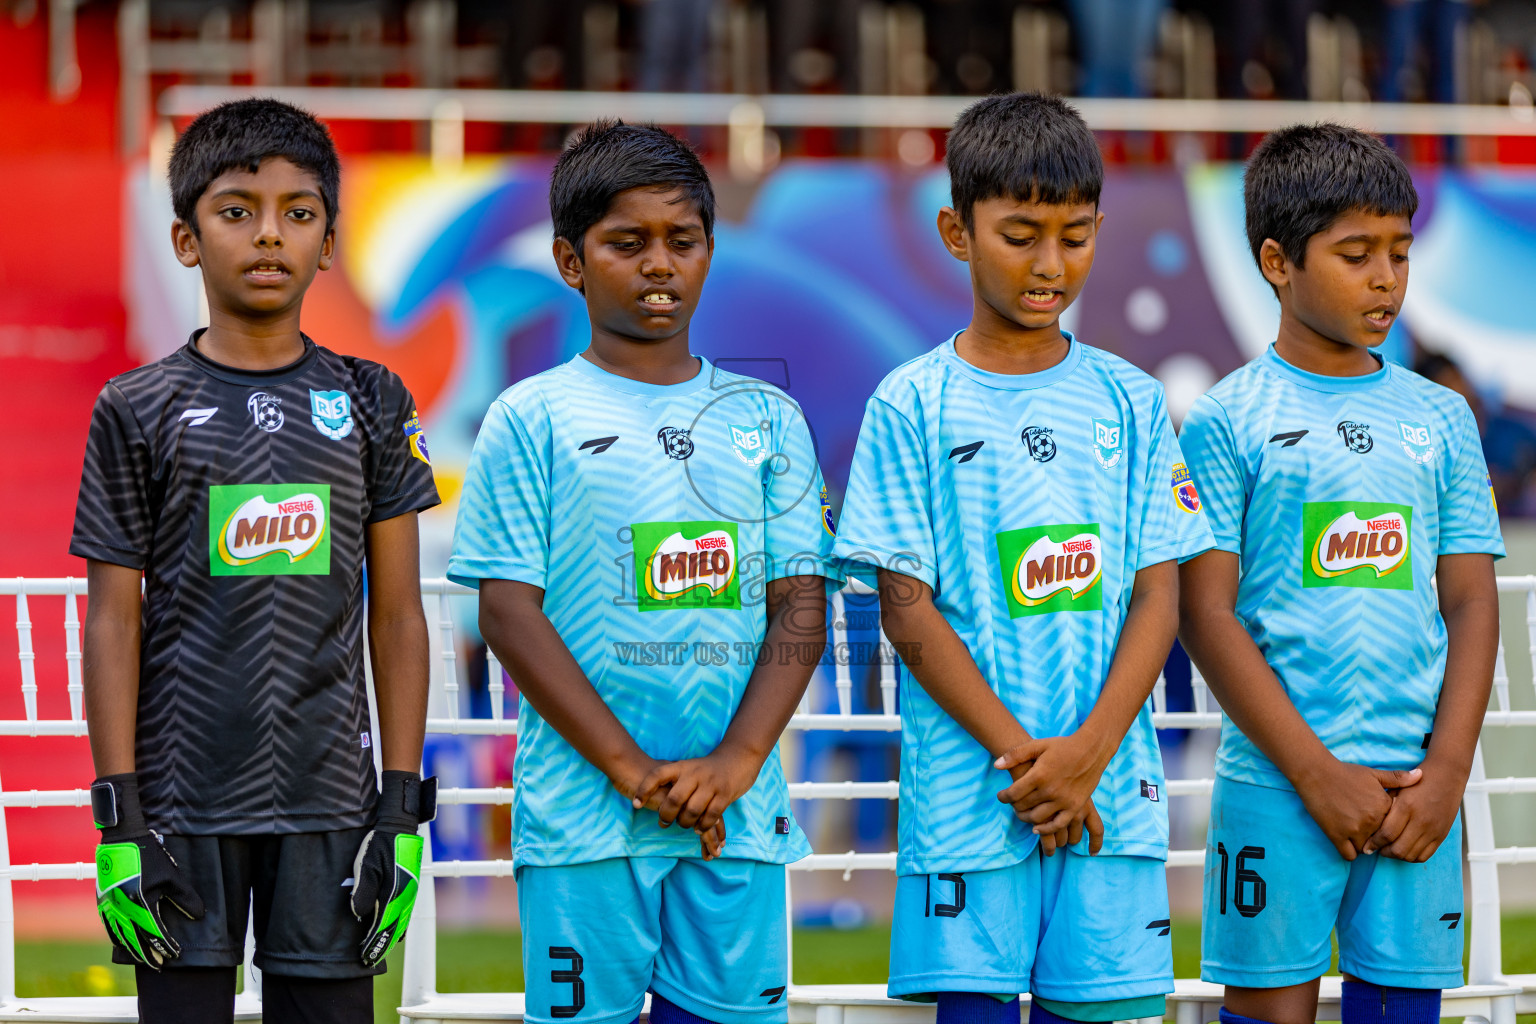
[(693, 793), (1052, 789), (1400, 814)]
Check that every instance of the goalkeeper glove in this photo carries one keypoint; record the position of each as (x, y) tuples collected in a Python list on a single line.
[(387, 872), (134, 873)]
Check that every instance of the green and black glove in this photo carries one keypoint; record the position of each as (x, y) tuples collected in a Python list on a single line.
[(387, 872), (134, 873)]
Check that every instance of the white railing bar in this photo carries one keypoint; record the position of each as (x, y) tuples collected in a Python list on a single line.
[(1160, 695), (448, 655), (24, 653), (77, 871), (886, 655), (1505, 855), (1530, 628), (1501, 676), (46, 798), (844, 790), (556, 107), (72, 654), (842, 672), (46, 727), (1200, 691), (472, 795), (493, 681), (1189, 787), (1506, 785), (468, 868)]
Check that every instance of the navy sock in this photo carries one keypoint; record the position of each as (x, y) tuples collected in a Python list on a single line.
[(1040, 1015), (1365, 1003), (664, 1011), (1228, 1017), (976, 1008)]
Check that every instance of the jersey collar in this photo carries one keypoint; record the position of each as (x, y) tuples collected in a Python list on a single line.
[(1323, 382), (249, 378), (587, 368), (1016, 381)]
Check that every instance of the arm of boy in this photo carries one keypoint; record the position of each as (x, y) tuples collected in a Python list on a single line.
[(1421, 817), (950, 676), (514, 625), (1348, 801), (695, 792), (397, 635), (113, 625), (1064, 770)]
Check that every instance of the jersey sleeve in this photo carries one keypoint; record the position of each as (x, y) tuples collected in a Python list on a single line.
[(886, 523), (798, 531), (1173, 524), (1469, 520), (503, 526), (1210, 451), (114, 520), (400, 468)]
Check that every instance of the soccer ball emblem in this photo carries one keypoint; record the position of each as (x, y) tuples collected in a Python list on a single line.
[(266, 411), (1042, 447), (676, 443), (1357, 436)]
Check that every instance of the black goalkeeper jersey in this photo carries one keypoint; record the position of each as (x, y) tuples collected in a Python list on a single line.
[(244, 496)]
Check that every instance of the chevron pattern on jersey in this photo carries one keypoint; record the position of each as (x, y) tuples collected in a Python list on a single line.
[(569, 465), (252, 705), (912, 508), (1362, 662)]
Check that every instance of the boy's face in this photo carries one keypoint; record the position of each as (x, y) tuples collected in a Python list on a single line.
[(643, 265), (261, 238), (1028, 260), (1355, 277)]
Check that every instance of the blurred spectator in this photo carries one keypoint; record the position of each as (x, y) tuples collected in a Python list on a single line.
[(1419, 59), (674, 45), (1116, 39), (1261, 46), (1509, 444), (814, 45)]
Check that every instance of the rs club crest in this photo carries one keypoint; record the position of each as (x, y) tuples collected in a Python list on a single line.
[(1106, 443), (331, 413), (266, 410), (1416, 442), (747, 443)]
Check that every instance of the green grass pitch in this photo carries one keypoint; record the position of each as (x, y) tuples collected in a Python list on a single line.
[(490, 961)]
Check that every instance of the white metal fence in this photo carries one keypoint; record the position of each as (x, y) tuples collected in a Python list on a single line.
[(1490, 994)]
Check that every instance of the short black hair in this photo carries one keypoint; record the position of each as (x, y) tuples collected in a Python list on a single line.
[(243, 133), (1304, 177), (1027, 146), (608, 157), (1432, 364)]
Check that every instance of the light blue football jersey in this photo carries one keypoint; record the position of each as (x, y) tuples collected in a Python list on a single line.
[(1338, 494), (1027, 502), (653, 517)]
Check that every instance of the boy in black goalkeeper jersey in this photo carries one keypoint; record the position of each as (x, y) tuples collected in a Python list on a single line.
[(246, 480)]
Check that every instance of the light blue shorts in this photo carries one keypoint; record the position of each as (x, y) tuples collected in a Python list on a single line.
[(1069, 927), (707, 936), (1275, 888)]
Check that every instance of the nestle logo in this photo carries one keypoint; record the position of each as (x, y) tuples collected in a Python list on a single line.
[(1077, 545), (290, 507), (706, 543)]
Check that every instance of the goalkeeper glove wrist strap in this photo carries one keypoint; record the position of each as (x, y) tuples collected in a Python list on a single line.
[(115, 806), (406, 800)]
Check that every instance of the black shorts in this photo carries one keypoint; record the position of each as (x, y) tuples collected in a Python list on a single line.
[(304, 925)]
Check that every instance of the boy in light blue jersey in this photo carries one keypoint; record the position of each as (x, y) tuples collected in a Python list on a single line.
[(650, 538), (1342, 491), (1022, 501)]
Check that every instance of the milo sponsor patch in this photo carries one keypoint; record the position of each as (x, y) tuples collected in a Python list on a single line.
[(1357, 544), (269, 530), (686, 565), (1052, 569)]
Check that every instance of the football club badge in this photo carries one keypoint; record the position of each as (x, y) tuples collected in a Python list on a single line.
[(266, 410), (331, 413), (1038, 440), (747, 443), (1416, 442), (1357, 436), (416, 438), (826, 513), (1184, 493), (1106, 443), (675, 442)]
